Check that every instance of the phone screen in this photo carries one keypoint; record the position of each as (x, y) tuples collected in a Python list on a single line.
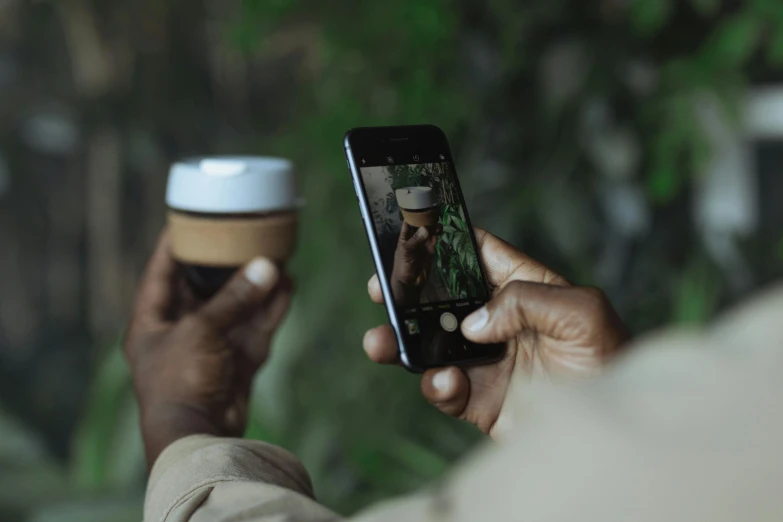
[(426, 249)]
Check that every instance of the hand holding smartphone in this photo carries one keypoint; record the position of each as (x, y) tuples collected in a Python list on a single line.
[(422, 242)]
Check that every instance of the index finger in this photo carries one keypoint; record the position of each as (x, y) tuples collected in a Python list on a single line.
[(374, 289), (156, 292), (406, 231), (504, 263)]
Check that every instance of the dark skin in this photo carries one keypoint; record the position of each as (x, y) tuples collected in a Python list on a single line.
[(549, 327), (412, 263), (193, 360)]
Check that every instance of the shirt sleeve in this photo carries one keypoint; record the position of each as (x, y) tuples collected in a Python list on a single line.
[(203, 478), (686, 428)]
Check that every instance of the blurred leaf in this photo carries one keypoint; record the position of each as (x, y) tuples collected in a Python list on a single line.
[(430, 22), (730, 93), (125, 461), (95, 436), (31, 486), (18, 445), (706, 7), (649, 16), (775, 48), (29, 476), (258, 430), (700, 152), (246, 37), (663, 181), (772, 10), (267, 11), (391, 465), (697, 295), (419, 459), (733, 42), (92, 510)]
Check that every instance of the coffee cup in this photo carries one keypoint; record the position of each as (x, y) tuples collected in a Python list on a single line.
[(225, 211), (418, 206)]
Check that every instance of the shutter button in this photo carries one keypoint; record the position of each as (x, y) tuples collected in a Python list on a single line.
[(448, 322)]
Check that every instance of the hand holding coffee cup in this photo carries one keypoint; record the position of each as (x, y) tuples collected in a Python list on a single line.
[(413, 263), (223, 212), (416, 245)]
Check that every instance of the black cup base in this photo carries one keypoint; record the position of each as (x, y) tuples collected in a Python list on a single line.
[(206, 281)]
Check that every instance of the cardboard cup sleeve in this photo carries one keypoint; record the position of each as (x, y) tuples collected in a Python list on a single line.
[(228, 241)]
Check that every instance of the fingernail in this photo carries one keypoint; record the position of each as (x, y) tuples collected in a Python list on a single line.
[(477, 320), (366, 336), (440, 381), (261, 272)]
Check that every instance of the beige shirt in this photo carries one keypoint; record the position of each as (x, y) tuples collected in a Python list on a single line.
[(688, 427)]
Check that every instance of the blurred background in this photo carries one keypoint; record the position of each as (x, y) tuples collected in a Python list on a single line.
[(634, 145)]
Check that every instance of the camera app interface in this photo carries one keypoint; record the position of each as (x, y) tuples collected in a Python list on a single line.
[(425, 244)]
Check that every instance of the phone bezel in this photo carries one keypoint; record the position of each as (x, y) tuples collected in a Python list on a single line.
[(380, 142)]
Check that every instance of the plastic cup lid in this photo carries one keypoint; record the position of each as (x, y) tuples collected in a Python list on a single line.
[(231, 185), (415, 198)]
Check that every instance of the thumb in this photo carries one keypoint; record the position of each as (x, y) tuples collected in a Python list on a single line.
[(242, 295), (522, 306), (419, 238)]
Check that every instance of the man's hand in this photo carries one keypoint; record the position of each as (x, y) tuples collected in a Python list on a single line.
[(412, 263), (549, 326), (193, 361)]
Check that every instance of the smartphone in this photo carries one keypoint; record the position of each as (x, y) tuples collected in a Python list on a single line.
[(423, 245)]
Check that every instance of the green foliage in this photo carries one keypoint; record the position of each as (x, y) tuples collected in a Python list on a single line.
[(734, 41), (456, 257), (33, 483), (649, 16), (697, 294), (107, 450), (716, 68), (706, 7), (775, 50), (401, 176), (363, 431)]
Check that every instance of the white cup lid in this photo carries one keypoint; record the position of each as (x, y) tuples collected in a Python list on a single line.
[(415, 198), (232, 184)]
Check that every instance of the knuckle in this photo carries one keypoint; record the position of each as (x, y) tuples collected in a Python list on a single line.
[(509, 315), (594, 295), (509, 299), (552, 278), (513, 290), (593, 304), (197, 324), (239, 294), (235, 299)]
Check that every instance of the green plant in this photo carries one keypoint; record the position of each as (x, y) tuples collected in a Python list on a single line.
[(477, 70), (456, 257)]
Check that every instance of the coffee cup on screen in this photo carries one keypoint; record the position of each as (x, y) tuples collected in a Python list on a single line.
[(418, 206), (225, 211)]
